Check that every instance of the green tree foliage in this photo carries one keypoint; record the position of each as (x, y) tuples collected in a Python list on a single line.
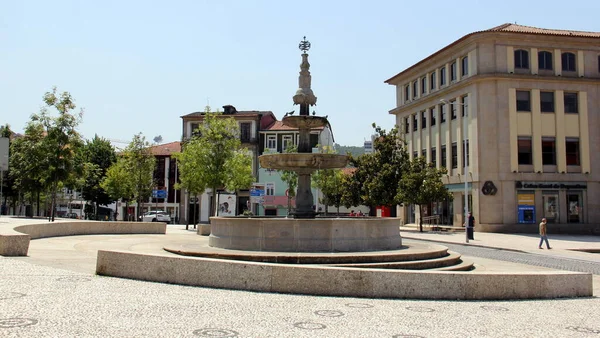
[(7, 181), (100, 154), (352, 150), (213, 158), (62, 141), (375, 181), (330, 183), (290, 178), (421, 185), (118, 182), (139, 163), (27, 162)]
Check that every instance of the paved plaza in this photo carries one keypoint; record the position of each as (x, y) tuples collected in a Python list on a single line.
[(54, 293)]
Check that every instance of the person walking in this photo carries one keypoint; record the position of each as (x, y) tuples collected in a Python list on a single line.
[(470, 226), (544, 234)]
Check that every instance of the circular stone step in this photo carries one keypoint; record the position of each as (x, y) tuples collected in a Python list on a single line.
[(410, 252)]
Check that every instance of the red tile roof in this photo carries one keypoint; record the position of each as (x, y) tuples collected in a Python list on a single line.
[(514, 28), (506, 28), (166, 149)]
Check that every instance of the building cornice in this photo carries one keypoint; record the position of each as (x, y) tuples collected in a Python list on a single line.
[(439, 94), (475, 37)]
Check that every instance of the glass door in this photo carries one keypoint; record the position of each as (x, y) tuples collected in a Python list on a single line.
[(574, 209), (550, 211)]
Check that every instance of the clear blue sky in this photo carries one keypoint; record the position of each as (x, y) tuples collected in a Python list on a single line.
[(137, 66)]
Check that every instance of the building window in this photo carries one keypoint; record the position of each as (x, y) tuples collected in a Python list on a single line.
[(433, 157), (572, 150), (525, 150), (547, 102), (453, 109), (548, 151), (432, 81), (406, 126), (270, 189), (415, 89), (464, 106), (287, 142), (424, 85), (571, 103), (424, 153), (598, 63), (453, 71), (415, 124), (415, 154), (245, 132), (443, 113), (407, 92), (464, 67), (432, 116), (195, 129), (423, 119), (545, 60), (454, 155), (443, 74), (271, 142), (463, 155), (521, 59), (443, 156), (523, 100), (568, 62)]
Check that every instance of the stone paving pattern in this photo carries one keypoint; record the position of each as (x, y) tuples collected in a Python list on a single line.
[(54, 293)]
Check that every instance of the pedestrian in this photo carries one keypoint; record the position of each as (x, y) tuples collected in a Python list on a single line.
[(544, 234), (352, 214), (470, 226)]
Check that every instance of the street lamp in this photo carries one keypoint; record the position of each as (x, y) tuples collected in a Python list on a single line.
[(466, 166)]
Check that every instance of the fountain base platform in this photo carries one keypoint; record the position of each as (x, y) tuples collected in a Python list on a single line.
[(360, 234)]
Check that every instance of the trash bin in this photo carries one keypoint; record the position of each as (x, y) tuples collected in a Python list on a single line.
[(29, 211)]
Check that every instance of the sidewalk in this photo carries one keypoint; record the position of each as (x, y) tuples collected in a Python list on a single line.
[(562, 245)]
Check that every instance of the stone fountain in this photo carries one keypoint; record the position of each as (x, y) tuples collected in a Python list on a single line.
[(305, 232)]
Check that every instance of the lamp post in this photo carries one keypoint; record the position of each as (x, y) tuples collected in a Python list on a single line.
[(466, 166)]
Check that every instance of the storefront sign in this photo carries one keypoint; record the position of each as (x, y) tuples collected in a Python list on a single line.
[(526, 199), (550, 185)]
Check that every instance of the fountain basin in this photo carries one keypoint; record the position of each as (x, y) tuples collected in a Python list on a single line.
[(306, 235), (303, 161), (305, 121)]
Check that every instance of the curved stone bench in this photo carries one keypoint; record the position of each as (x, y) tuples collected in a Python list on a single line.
[(346, 282), (14, 241)]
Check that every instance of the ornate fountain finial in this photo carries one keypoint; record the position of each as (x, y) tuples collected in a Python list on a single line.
[(304, 95), (304, 45)]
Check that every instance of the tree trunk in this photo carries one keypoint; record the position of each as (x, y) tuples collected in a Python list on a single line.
[(420, 219), (215, 199), (38, 203)]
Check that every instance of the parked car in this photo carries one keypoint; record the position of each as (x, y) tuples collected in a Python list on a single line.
[(72, 215), (156, 216)]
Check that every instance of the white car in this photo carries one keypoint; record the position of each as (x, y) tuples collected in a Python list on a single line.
[(156, 216)]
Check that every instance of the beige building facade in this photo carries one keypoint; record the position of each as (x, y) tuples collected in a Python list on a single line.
[(524, 102)]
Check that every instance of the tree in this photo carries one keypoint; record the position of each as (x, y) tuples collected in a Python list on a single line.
[(100, 153), (139, 163), (61, 142), (6, 180), (213, 158), (290, 178), (375, 181), (422, 184), (118, 182), (330, 182), (27, 162)]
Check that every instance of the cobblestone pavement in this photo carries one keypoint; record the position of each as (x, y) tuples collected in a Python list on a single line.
[(526, 258), (43, 301)]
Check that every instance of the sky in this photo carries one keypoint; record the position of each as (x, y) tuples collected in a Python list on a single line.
[(138, 66)]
